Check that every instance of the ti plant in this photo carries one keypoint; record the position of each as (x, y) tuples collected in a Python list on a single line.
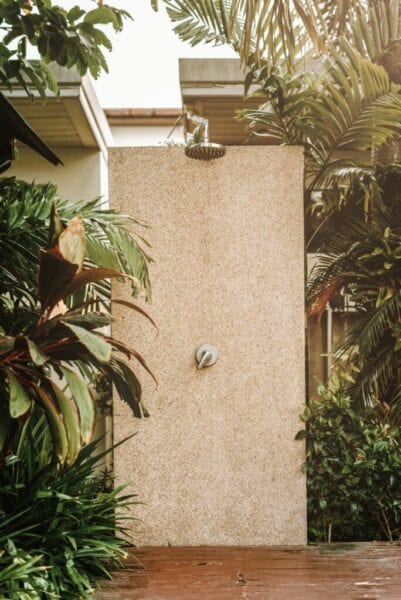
[(51, 363)]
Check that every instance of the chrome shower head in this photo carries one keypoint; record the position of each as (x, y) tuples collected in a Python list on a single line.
[(205, 150)]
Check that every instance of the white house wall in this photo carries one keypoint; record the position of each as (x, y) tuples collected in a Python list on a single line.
[(83, 176)]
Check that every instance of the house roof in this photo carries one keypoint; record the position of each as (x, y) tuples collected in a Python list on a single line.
[(214, 89), (152, 117), (74, 118)]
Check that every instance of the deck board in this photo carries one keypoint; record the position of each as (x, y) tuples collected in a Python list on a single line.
[(370, 571)]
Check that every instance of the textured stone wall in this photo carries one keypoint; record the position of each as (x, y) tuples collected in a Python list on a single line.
[(217, 463)]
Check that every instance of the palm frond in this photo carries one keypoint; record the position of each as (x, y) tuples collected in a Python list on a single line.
[(363, 262), (278, 31), (355, 111), (281, 116)]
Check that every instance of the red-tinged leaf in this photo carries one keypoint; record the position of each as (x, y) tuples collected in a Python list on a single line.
[(121, 347), (55, 274), (88, 276), (136, 308), (320, 301), (127, 385)]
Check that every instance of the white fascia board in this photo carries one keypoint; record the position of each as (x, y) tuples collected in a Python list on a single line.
[(226, 90)]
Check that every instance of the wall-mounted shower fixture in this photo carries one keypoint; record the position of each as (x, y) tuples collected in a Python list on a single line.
[(206, 356), (205, 150)]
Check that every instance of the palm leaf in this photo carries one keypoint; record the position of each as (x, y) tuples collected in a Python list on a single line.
[(355, 111)]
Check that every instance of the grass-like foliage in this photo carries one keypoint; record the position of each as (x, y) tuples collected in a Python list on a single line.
[(59, 530)]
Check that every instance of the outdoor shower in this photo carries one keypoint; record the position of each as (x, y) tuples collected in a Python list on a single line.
[(205, 150)]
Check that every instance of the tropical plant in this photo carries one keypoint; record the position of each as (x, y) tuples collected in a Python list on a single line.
[(362, 263), (340, 98), (49, 361), (70, 38), (113, 240), (353, 468), (341, 105), (59, 531)]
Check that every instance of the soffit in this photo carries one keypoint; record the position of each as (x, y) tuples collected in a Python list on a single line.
[(214, 89), (74, 118)]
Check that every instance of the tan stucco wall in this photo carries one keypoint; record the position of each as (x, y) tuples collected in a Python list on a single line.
[(217, 463)]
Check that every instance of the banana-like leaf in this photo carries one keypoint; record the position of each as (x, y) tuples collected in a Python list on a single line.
[(37, 356), (84, 401), (20, 401), (70, 418), (95, 344), (59, 434)]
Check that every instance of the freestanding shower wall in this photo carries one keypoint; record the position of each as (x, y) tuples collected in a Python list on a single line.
[(217, 462)]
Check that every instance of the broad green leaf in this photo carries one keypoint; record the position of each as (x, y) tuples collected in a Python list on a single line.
[(102, 15), (6, 344), (59, 434), (19, 399), (71, 423), (83, 400), (36, 353), (92, 342)]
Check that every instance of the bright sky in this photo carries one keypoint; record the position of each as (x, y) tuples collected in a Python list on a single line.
[(143, 64)]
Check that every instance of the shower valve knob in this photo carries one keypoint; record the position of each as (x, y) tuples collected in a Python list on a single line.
[(206, 356)]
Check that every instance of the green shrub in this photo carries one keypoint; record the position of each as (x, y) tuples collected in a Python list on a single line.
[(353, 469), (59, 529)]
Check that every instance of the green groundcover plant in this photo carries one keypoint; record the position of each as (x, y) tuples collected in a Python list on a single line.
[(353, 469), (59, 529)]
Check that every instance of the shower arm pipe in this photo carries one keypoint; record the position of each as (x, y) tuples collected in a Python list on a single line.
[(198, 120)]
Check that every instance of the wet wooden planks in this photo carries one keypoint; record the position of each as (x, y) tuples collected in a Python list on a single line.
[(370, 571)]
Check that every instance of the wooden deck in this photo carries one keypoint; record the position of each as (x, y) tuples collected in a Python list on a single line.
[(369, 571)]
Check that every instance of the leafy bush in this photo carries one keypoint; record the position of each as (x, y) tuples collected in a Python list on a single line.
[(59, 529), (353, 469)]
